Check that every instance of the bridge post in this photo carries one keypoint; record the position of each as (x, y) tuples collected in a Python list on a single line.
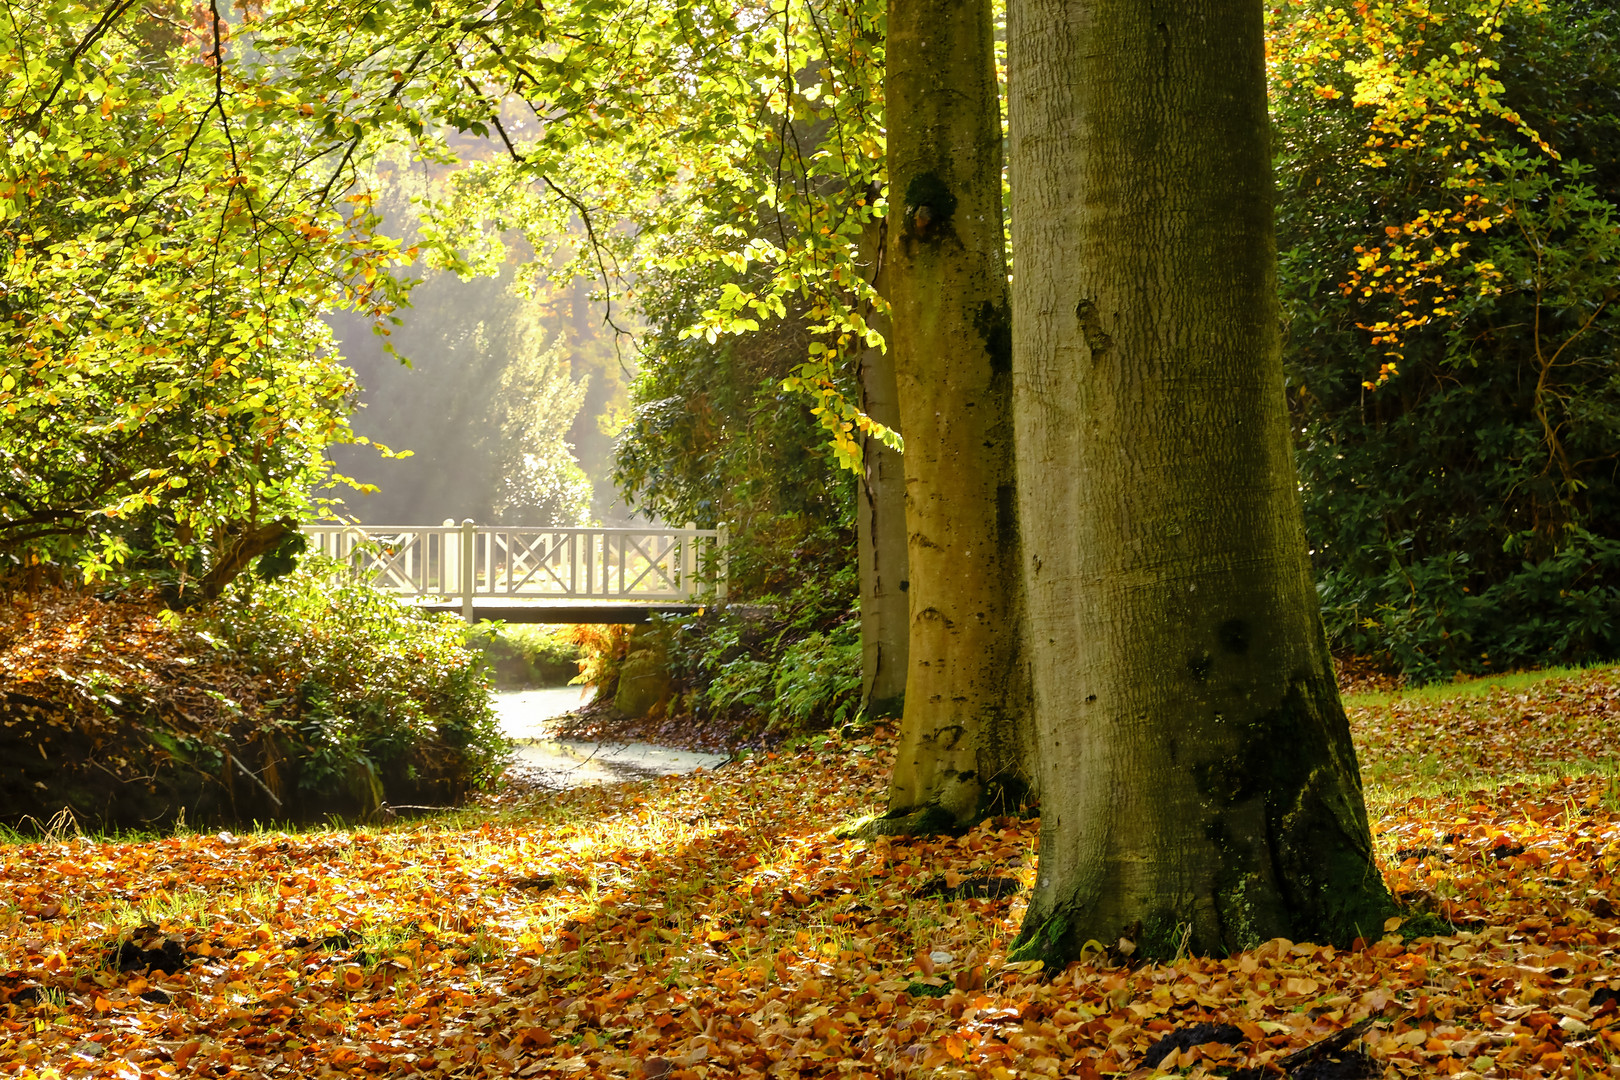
[(722, 563), (689, 562), (449, 558), (469, 537)]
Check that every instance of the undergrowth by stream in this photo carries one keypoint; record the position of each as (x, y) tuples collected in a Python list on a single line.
[(289, 699)]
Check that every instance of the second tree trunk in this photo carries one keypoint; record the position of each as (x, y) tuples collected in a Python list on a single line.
[(961, 752)]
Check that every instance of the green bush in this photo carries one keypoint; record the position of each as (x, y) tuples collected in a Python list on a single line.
[(521, 656), (818, 679), (784, 667), (1424, 616), (1460, 488), (370, 684), (813, 682)]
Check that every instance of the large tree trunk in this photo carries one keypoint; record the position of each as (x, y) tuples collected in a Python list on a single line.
[(960, 752), (880, 518), (1199, 786)]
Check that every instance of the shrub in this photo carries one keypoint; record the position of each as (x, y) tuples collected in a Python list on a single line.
[(785, 667), (521, 656), (367, 682), (1455, 393), (292, 700), (1423, 616), (818, 679)]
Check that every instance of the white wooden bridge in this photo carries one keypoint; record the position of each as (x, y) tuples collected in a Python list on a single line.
[(535, 575)]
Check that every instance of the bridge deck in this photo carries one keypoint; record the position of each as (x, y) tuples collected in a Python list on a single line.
[(577, 611)]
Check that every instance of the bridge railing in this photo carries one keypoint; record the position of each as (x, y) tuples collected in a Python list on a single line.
[(467, 561)]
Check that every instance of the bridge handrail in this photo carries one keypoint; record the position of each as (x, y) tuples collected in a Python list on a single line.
[(468, 560)]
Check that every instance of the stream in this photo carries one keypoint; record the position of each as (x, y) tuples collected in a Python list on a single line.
[(546, 761)]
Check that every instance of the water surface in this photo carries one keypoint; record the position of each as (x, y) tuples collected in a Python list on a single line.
[(528, 717)]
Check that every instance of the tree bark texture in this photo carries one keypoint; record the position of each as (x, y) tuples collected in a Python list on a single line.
[(880, 519), (1199, 787), (237, 544), (961, 754)]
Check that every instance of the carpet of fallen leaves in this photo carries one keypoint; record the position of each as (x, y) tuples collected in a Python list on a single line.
[(78, 660), (713, 926)]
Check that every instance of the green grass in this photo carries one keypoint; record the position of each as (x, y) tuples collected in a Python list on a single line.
[(1394, 787), (1469, 687), (179, 907)]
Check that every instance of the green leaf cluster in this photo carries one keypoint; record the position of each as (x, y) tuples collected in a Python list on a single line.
[(174, 216), (1450, 256)]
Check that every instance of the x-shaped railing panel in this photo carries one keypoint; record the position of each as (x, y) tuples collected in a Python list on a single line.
[(510, 540), (655, 562), (464, 560)]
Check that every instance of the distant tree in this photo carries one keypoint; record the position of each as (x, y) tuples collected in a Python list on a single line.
[(880, 517), (605, 364), (541, 481), (484, 411)]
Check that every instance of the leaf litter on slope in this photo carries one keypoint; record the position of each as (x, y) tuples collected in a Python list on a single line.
[(713, 926)]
